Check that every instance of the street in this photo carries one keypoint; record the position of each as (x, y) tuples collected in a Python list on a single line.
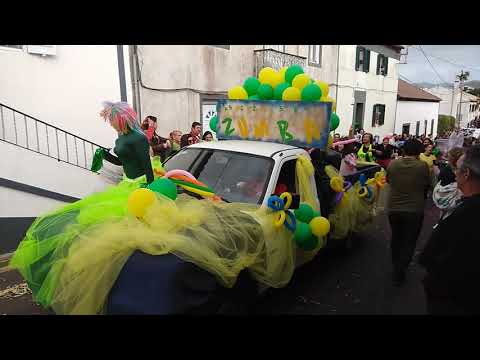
[(335, 282)]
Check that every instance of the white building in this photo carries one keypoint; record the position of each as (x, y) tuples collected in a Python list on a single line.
[(50, 99), (181, 83), (417, 111), (450, 104)]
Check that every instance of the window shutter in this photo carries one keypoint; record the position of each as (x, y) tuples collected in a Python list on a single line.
[(366, 63), (357, 61), (386, 66), (382, 116), (379, 63), (374, 115)]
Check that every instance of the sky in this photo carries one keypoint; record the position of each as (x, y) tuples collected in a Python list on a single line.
[(448, 60)]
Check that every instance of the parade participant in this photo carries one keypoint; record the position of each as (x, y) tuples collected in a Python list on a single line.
[(365, 151), (451, 255), (384, 153), (207, 136), (446, 192), (193, 137), (408, 178)]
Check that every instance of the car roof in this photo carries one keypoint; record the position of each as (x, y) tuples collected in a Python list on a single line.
[(261, 148)]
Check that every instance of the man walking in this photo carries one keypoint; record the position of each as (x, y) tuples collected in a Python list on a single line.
[(408, 177), (451, 255)]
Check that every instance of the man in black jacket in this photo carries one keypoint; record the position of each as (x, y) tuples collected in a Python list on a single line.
[(451, 256)]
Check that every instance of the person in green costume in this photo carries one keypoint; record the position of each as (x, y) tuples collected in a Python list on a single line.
[(131, 146), (40, 255)]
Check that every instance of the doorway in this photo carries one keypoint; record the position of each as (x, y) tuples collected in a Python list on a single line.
[(406, 129)]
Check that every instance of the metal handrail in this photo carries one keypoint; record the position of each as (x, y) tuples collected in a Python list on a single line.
[(275, 59), (28, 145)]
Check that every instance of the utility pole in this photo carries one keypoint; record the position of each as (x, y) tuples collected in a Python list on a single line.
[(462, 77)]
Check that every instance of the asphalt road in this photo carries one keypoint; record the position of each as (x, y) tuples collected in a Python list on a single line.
[(353, 283)]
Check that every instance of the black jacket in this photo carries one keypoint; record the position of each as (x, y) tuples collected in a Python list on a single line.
[(451, 257)]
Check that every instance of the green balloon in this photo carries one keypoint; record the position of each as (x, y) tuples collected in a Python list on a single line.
[(251, 85), (280, 88), (166, 187), (304, 213), (311, 92), (265, 92), (310, 244), (214, 123), (291, 72), (253, 97), (303, 233), (334, 121), (316, 214)]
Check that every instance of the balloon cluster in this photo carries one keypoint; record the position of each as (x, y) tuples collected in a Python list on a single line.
[(287, 84), (306, 224), (141, 199)]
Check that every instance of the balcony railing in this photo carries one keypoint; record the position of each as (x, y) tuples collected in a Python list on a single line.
[(36, 135), (276, 59)]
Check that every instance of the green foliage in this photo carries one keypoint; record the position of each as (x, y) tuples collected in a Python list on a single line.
[(445, 123)]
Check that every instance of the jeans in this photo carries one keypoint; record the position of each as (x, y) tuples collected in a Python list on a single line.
[(406, 227)]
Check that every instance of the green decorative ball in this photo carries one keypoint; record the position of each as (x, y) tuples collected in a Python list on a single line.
[(166, 187), (334, 121), (279, 89), (310, 244), (303, 233), (291, 72), (265, 92), (311, 92), (253, 97), (304, 213), (251, 85)]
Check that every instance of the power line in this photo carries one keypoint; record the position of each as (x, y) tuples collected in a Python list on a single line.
[(452, 63), (433, 68)]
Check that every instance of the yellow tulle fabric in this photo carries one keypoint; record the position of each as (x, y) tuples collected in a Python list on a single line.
[(306, 181), (221, 238)]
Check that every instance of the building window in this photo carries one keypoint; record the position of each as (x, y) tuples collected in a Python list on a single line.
[(362, 62), (431, 127), (315, 55), (406, 128), (382, 65), (226, 47), (417, 130), (378, 116), (281, 48)]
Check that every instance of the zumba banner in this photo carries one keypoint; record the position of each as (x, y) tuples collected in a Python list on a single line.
[(297, 123)]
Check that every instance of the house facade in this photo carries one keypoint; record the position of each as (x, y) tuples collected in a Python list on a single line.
[(417, 111), (463, 106)]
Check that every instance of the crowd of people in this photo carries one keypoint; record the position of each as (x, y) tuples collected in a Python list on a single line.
[(163, 147), (416, 169)]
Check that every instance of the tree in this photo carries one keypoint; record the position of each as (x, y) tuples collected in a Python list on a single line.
[(445, 123), (475, 92), (463, 76)]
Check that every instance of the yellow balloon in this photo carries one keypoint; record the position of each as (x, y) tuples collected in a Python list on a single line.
[(291, 94), (324, 87), (139, 201), (281, 72), (237, 93), (320, 226), (265, 74), (300, 81)]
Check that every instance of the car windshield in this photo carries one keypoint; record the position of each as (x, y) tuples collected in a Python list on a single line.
[(235, 177)]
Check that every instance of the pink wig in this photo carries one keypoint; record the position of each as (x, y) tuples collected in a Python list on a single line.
[(122, 115)]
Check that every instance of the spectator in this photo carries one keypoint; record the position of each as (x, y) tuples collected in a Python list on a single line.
[(408, 178), (451, 255), (336, 137), (365, 151), (159, 145), (175, 137), (193, 136), (384, 153), (207, 136), (446, 192)]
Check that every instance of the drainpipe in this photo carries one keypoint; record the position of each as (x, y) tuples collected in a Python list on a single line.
[(132, 50)]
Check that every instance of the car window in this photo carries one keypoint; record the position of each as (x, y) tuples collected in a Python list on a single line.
[(236, 177)]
